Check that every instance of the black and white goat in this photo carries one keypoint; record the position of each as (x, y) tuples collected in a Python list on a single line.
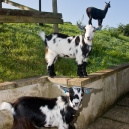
[(62, 45), (37, 112), (98, 14)]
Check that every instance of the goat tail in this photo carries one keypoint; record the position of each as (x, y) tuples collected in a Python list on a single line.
[(6, 106), (42, 35)]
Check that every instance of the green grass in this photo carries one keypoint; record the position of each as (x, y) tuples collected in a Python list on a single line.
[(22, 51)]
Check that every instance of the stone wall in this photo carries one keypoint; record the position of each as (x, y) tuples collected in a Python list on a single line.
[(108, 86)]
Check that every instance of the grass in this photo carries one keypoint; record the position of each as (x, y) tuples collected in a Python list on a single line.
[(22, 51)]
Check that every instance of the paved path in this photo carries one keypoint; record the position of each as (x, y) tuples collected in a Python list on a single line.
[(116, 118)]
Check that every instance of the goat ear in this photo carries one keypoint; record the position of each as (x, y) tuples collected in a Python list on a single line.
[(106, 2), (65, 89), (88, 90)]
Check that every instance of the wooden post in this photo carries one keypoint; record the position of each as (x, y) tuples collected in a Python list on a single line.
[(1, 7), (54, 6), (40, 5), (0, 4), (41, 24)]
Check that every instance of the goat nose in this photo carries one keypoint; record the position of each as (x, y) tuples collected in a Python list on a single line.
[(88, 38), (76, 104)]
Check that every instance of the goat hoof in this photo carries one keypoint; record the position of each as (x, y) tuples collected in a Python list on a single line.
[(81, 76), (51, 75), (54, 74), (85, 74)]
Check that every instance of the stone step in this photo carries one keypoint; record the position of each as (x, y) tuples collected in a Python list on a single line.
[(116, 118), (103, 123)]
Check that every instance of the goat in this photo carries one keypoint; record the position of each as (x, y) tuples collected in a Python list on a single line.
[(62, 45), (98, 14), (37, 112)]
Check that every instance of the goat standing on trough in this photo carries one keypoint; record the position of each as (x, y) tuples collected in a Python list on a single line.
[(97, 14), (62, 45), (37, 112)]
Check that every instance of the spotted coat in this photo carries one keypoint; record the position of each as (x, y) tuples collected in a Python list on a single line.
[(61, 45), (37, 112)]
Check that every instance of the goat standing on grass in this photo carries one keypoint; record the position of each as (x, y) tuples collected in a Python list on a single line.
[(63, 45), (98, 14), (37, 112)]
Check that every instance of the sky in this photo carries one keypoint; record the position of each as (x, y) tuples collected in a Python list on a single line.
[(74, 10)]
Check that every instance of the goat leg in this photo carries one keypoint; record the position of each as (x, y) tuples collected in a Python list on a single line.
[(79, 71), (50, 72), (22, 123), (100, 23), (53, 71), (90, 21), (84, 68)]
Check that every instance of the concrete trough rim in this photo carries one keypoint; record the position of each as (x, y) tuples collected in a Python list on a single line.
[(66, 80)]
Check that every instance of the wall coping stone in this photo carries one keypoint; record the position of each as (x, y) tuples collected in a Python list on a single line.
[(63, 79), (22, 82)]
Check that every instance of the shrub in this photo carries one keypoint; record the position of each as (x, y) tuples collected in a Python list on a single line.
[(124, 29), (113, 32)]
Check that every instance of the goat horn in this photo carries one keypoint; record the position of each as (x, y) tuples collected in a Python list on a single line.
[(80, 27)]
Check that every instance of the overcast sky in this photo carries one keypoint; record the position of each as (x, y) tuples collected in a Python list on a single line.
[(73, 10)]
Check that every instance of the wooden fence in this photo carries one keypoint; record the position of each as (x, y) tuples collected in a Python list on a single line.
[(29, 15)]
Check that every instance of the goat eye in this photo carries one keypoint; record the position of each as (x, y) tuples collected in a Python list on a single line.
[(78, 89)]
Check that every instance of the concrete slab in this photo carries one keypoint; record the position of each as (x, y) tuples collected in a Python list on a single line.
[(127, 95), (6, 120), (79, 81), (103, 123), (124, 102), (110, 92), (7, 85), (118, 113), (59, 80)]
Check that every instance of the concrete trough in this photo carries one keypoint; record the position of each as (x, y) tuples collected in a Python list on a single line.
[(108, 86)]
